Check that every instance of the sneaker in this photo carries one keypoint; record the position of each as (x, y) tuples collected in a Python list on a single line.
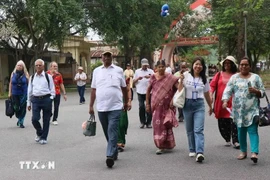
[(42, 141), (110, 162), (228, 144), (37, 138), (199, 158), (21, 126), (55, 123), (159, 151), (192, 154), (181, 120), (149, 126), (80, 104)]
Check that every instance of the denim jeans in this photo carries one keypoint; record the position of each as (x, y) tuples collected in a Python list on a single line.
[(194, 114), (81, 90), (110, 122), (44, 104), (145, 117), (252, 131), (56, 103)]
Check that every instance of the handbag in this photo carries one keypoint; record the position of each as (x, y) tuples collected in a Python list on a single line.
[(264, 114), (179, 98), (9, 108), (90, 127)]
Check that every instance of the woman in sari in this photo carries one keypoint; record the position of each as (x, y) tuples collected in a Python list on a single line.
[(18, 91), (162, 87), (123, 123)]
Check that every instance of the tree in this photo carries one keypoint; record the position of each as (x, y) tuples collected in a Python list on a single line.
[(40, 24), (136, 26), (228, 22)]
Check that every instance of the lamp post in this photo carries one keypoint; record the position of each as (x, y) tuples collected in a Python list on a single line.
[(245, 20)]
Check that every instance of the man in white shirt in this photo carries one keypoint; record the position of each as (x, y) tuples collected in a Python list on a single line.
[(141, 80), (109, 88), (40, 95), (129, 73), (80, 79)]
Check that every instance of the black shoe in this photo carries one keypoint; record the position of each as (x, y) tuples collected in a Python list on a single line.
[(110, 162), (149, 126), (236, 145), (142, 126), (120, 149), (21, 126)]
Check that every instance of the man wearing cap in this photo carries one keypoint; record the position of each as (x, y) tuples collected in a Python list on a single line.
[(141, 80), (129, 73), (80, 79), (109, 88)]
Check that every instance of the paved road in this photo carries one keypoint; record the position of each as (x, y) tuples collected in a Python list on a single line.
[(71, 156)]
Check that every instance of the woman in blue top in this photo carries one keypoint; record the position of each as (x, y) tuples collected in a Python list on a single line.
[(18, 91), (246, 88)]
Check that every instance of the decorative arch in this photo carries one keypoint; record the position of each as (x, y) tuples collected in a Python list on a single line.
[(168, 48)]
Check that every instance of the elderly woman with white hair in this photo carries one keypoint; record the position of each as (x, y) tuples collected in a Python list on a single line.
[(18, 91)]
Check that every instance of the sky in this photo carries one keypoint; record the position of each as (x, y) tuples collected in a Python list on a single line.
[(92, 35)]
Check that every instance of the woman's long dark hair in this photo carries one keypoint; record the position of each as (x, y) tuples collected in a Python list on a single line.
[(202, 73)]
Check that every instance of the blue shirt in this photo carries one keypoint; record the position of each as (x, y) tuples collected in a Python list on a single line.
[(19, 84)]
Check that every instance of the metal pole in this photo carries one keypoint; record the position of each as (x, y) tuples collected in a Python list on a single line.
[(245, 21), (245, 36)]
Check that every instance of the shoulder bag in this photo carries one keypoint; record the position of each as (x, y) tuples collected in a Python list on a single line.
[(9, 108), (179, 98), (264, 114), (89, 127)]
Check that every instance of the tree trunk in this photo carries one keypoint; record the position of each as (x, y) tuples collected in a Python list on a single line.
[(146, 53)]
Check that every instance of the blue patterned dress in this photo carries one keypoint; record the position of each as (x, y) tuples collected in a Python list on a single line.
[(244, 105)]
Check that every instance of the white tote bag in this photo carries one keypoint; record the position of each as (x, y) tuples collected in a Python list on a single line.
[(179, 98)]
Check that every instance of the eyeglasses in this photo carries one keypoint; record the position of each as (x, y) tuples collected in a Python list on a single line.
[(244, 65)]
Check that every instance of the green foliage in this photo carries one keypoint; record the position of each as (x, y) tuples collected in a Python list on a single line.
[(42, 23), (134, 25), (95, 65), (228, 22)]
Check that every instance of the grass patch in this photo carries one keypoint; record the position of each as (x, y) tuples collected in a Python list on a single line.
[(265, 75)]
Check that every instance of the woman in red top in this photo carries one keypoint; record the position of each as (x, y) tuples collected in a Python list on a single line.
[(226, 126)]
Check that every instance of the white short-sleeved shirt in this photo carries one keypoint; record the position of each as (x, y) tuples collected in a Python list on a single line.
[(141, 85), (81, 76), (195, 85), (108, 83)]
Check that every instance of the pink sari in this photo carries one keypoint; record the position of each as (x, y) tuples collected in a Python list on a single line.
[(162, 93)]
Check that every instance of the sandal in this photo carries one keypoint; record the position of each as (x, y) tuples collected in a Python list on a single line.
[(242, 155), (254, 157)]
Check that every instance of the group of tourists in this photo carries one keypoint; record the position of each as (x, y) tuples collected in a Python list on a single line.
[(36, 93), (232, 96)]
